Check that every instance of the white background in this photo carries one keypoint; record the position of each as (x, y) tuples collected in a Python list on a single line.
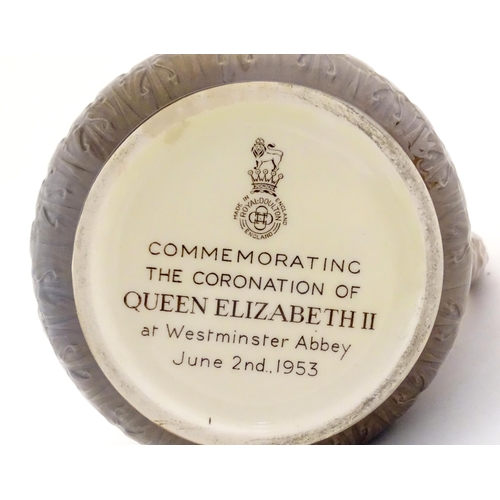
[(442, 55)]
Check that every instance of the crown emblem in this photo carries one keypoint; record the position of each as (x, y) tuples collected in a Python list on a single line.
[(265, 180)]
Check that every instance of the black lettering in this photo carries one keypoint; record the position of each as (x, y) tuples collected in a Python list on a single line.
[(264, 305), (368, 321), (301, 343), (344, 317), (185, 251), (224, 337), (312, 259), (147, 305), (161, 274), (263, 261), (205, 252), (281, 258), (225, 279), (345, 350), (174, 331), (220, 306), (313, 313), (237, 360), (151, 248), (233, 312), (330, 316), (353, 263), (258, 284), (243, 281), (211, 279), (240, 256), (280, 313), (225, 255), (181, 304), (180, 361), (297, 262), (340, 267), (165, 299), (126, 301), (174, 248), (297, 311)]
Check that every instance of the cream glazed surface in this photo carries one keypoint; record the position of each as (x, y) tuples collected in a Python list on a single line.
[(257, 263)]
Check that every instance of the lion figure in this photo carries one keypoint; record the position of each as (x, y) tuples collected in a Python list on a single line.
[(264, 154)]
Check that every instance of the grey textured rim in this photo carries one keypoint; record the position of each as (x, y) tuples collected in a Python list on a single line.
[(157, 82)]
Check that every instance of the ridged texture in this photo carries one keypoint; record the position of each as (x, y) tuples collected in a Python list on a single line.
[(479, 257), (155, 83)]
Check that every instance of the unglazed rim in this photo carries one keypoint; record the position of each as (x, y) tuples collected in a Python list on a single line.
[(160, 80)]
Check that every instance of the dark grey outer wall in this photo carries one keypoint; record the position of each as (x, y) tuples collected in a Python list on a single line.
[(155, 83)]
